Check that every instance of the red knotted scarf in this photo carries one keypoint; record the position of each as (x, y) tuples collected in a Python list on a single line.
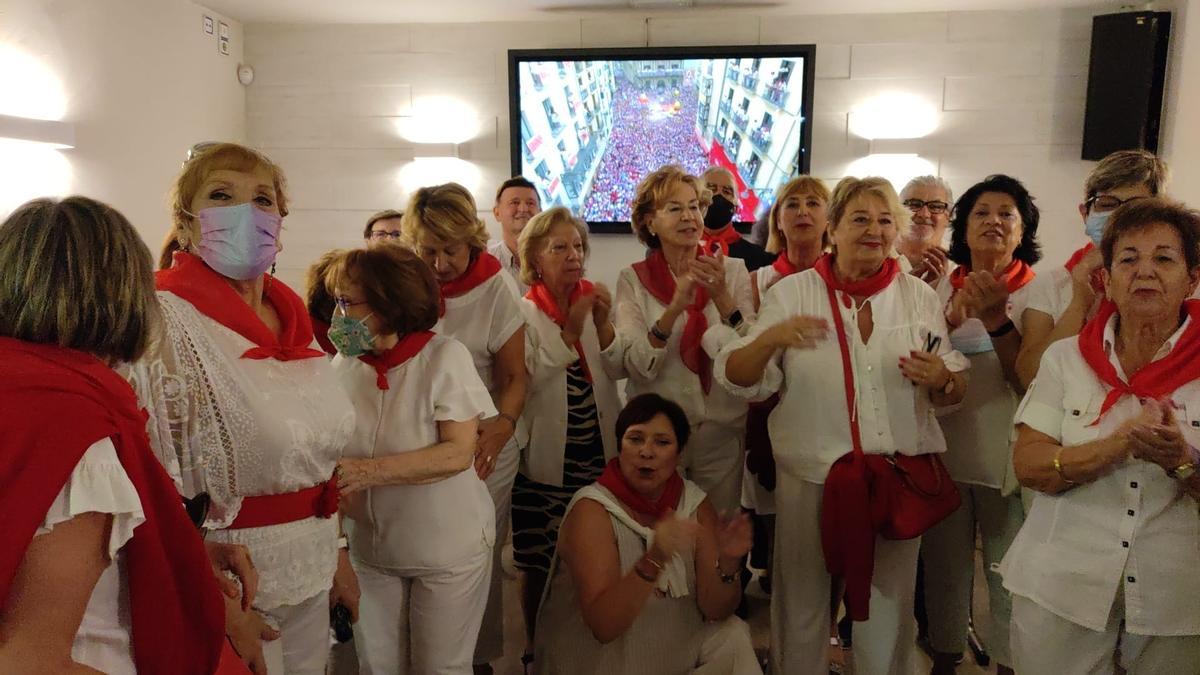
[(863, 288), (176, 609), (212, 296), (1016, 275), (483, 267), (614, 480), (724, 238), (783, 265), (656, 276), (541, 296), (409, 346), (1156, 379)]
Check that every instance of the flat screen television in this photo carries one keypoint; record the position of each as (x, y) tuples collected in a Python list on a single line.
[(587, 124)]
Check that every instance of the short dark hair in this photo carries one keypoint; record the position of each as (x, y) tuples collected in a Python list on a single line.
[(382, 215), (75, 273), (1141, 213), (397, 285), (645, 407), (1029, 250), (518, 182), (318, 299)]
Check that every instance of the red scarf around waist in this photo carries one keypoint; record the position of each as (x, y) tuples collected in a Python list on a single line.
[(1016, 275), (725, 237), (409, 346), (541, 296), (656, 276), (1077, 257), (483, 267), (176, 608), (212, 296), (1156, 379), (862, 288), (614, 480)]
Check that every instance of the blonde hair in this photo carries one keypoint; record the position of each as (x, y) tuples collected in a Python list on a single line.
[(776, 242), (652, 193), (216, 157), (1128, 167), (532, 239), (446, 211), (850, 188)]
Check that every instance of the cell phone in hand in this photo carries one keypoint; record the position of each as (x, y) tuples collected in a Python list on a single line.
[(340, 621)]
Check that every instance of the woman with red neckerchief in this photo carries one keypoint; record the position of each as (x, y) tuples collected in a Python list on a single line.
[(243, 406), (419, 520), (482, 311), (859, 355), (1063, 298), (665, 304), (994, 244), (1103, 572)]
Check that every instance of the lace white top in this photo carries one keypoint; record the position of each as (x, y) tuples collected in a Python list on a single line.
[(237, 427)]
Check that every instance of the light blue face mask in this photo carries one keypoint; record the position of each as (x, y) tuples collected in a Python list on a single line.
[(350, 336), (1095, 224)]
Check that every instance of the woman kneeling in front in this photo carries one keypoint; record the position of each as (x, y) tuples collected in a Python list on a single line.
[(645, 576)]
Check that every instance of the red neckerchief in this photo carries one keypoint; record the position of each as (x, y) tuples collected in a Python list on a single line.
[(1097, 280), (863, 288), (1016, 275), (783, 265), (655, 275), (614, 480), (725, 237), (408, 346), (212, 296), (541, 296), (321, 332), (172, 590), (1154, 380), (483, 267)]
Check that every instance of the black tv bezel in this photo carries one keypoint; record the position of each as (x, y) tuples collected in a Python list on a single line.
[(517, 56)]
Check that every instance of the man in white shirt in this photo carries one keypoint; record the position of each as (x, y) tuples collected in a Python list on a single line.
[(517, 200)]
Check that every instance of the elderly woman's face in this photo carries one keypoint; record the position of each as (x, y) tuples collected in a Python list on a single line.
[(802, 218), (227, 187), (560, 263), (649, 455), (994, 224), (927, 226), (352, 302), (866, 231), (449, 260), (1149, 275), (678, 222)]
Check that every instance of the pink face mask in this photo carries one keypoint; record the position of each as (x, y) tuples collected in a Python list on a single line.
[(238, 242)]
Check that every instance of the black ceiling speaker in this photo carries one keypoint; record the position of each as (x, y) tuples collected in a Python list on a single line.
[(1125, 82)]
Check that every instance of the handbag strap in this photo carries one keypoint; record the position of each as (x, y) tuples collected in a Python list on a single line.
[(847, 370)]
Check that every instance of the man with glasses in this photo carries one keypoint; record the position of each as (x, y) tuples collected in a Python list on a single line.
[(383, 228), (929, 199), (1063, 298)]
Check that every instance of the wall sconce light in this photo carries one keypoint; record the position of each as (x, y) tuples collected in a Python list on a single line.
[(898, 168), (439, 120), (894, 115), (59, 135)]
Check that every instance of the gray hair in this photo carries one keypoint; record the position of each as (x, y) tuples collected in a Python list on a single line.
[(929, 181)]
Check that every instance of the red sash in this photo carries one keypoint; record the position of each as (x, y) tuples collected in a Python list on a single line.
[(655, 275), (540, 295), (724, 238), (1016, 275), (320, 500), (483, 267), (409, 346), (212, 296), (614, 480)]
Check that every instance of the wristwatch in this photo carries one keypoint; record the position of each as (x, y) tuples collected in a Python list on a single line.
[(1183, 472)]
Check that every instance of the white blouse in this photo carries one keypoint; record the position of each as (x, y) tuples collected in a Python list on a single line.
[(416, 527), (978, 430), (483, 320), (544, 420), (1134, 530), (237, 427), (1050, 292), (810, 427), (661, 370)]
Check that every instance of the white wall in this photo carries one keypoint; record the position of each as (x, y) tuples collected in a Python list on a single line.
[(1009, 86), (143, 82), (1181, 133)]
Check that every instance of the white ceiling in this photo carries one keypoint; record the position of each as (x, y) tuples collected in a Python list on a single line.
[(437, 11)]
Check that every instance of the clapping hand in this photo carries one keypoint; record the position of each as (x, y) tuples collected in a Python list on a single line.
[(1159, 441), (734, 536)]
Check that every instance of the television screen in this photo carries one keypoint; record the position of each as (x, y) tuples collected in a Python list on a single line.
[(588, 124)]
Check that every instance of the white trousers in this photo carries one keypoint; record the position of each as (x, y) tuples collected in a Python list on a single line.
[(303, 648), (800, 611), (727, 649), (948, 552), (713, 460), (490, 645), (1044, 643), (423, 624)]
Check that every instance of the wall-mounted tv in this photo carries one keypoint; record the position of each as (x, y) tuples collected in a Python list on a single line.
[(587, 124)]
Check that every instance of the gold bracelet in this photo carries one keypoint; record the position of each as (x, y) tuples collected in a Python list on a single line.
[(652, 561), (1059, 468)]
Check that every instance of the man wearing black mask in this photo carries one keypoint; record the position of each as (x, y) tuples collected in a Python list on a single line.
[(718, 221)]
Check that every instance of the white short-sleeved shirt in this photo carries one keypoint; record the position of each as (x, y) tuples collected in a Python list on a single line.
[(1134, 530), (979, 429), (99, 484), (483, 319), (810, 427), (1050, 292), (510, 263), (662, 370), (417, 527)]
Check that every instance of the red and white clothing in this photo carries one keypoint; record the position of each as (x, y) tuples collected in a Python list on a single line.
[(405, 538)]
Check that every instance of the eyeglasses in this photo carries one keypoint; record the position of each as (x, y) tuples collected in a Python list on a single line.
[(380, 235), (345, 303), (1105, 203), (935, 207)]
